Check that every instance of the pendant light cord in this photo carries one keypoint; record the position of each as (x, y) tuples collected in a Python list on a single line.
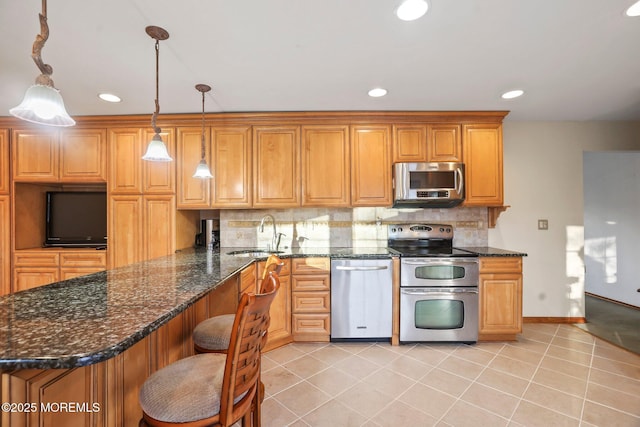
[(202, 149), (156, 129), (36, 51)]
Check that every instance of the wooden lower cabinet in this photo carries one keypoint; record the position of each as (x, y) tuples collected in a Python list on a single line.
[(280, 312), (38, 267), (500, 308), (106, 393), (311, 299)]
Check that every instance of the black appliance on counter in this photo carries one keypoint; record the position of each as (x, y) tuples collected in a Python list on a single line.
[(209, 235), (438, 284)]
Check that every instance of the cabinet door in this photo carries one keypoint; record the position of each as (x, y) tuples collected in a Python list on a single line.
[(370, 166), (500, 304), (482, 156), (159, 226), (32, 277), (35, 155), (4, 161), (325, 166), (276, 180), (280, 316), (409, 143), (193, 193), (125, 161), (5, 244), (231, 167), (83, 155), (445, 144), (125, 230), (159, 177)]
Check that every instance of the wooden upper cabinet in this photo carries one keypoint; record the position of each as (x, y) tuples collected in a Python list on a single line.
[(125, 161), (370, 165), (83, 155), (159, 177), (325, 166), (128, 173), (409, 143), (276, 180), (482, 156), (34, 155), (4, 161), (444, 143), (193, 193), (232, 167), (70, 155)]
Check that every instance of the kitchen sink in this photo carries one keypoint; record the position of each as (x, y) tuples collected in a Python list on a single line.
[(255, 253)]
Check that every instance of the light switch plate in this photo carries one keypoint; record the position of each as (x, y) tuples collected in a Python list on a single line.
[(543, 224)]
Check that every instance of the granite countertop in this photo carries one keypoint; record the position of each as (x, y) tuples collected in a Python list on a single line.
[(93, 318), (487, 251)]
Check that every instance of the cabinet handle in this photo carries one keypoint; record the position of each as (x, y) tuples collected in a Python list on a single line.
[(379, 267)]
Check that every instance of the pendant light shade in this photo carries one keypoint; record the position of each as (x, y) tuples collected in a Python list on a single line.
[(156, 150), (202, 170), (43, 103)]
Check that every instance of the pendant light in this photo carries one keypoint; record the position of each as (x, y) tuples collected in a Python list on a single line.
[(202, 170), (43, 103), (156, 150)]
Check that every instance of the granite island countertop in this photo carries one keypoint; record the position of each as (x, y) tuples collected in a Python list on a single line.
[(93, 318)]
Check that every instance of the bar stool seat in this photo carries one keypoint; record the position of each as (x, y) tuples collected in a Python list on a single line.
[(212, 335)]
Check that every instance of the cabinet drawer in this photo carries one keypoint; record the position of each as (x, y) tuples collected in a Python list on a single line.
[(311, 302), (310, 265), (83, 259), (311, 327), (39, 259), (71, 272), (310, 283), (500, 265), (286, 268)]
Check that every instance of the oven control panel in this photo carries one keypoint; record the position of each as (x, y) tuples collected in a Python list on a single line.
[(420, 231)]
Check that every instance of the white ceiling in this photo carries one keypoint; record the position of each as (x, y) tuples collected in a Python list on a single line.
[(576, 59)]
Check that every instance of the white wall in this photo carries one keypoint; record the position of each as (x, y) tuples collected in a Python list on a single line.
[(543, 180), (612, 224)]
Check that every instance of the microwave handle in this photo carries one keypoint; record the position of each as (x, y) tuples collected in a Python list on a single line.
[(460, 180)]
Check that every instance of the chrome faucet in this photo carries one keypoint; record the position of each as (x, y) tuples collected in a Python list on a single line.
[(275, 240)]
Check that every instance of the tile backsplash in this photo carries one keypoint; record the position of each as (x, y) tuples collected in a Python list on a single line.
[(352, 227)]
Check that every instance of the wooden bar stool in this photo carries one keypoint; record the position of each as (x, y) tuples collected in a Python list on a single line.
[(212, 335), (214, 389)]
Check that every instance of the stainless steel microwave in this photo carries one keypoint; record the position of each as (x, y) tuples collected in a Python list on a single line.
[(428, 185)]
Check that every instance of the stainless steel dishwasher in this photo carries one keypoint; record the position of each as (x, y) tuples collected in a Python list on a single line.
[(361, 299)]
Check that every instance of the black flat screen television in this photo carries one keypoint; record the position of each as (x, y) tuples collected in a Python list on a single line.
[(76, 218)]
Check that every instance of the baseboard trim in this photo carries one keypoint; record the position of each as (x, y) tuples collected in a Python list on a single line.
[(554, 320)]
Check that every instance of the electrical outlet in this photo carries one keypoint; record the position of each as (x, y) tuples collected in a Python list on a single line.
[(543, 224)]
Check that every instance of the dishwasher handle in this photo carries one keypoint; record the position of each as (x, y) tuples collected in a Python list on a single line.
[(361, 268)]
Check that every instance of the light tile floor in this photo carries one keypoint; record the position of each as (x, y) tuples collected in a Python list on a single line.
[(554, 375)]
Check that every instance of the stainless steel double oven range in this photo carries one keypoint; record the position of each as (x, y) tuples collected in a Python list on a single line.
[(438, 284)]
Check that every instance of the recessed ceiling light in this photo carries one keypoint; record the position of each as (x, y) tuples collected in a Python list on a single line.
[(410, 10), (634, 9), (512, 94), (109, 97), (377, 92)]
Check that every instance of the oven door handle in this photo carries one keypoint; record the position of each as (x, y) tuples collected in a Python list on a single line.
[(439, 261), (362, 268), (436, 291)]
